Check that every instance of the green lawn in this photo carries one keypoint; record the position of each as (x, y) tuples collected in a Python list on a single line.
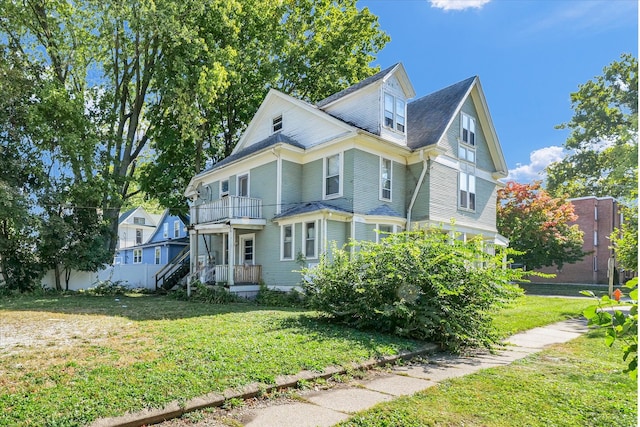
[(579, 383), (89, 357)]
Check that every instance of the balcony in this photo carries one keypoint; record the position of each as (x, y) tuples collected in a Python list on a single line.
[(227, 208)]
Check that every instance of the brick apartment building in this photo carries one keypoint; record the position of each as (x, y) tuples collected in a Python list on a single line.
[(597, 217)]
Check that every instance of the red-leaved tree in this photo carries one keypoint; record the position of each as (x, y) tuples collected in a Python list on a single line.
[(538, 225)]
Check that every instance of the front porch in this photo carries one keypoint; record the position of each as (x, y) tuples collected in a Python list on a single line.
[(242, 274)]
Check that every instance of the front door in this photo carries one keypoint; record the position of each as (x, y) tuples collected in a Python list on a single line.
[(247, 249)]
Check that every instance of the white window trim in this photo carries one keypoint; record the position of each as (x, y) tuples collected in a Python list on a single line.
[(380, 195), (469, 173), (277, 120), (394, 229), (475, 129), (224, 193), (157, 255), (248, 184), (293, 240), (176, 229), (326, 196), (141, 232), (394, 126), (134, 256), (304, 239), (241, 239), (165, 230)]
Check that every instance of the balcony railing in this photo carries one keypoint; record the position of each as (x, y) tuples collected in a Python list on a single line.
[(228, 207)]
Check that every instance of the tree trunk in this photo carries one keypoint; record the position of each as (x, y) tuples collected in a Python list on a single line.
[(56, 269)]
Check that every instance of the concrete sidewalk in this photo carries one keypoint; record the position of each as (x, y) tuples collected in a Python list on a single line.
[(329, 407)]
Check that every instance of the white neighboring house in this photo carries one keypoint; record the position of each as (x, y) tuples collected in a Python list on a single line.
[(135, 227)]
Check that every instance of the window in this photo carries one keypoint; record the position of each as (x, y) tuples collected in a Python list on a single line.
[(467, 191), (224, 187), (385, 179), (138, 220), (467, 154), (287, 241), (165, 230), (247, 250), (138, 236), (158, 254), (277, 124), (332, 171), (595, 263), (383, 231), (595, 237), (595, 213), (137, 256), (309, 239), (468, 130), (176, 229), (394, 112), (243, 185)]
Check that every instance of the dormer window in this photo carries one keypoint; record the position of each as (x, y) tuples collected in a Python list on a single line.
[(468, 129), (277, 124), (394, 113)]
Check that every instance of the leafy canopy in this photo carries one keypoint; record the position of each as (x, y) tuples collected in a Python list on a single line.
[(538, 226)]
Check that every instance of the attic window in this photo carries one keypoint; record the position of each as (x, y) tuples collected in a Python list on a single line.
[(468, 129), (277, 124), (138, 220), (394, 113)]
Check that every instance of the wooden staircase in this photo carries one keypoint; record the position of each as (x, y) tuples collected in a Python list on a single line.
[(175, 270)]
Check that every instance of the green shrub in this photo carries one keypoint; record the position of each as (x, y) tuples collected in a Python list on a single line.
[(419, 284), (278, 298), (109, 288), (206, 293)]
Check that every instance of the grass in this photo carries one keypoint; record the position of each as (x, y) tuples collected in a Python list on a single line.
[(89, 357), (579, 383)]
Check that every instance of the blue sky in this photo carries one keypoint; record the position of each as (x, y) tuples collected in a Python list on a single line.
[(530, 56)]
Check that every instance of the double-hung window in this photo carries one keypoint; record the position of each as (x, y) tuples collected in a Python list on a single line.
[(137, 256), (310, 238), (468, 129), (176, 229), (165, 230), (467, 159), (332, 176), (287, 242), (157, 255), (467, 189), (385, 179), (394, 113), (224, 187), (138, 236)]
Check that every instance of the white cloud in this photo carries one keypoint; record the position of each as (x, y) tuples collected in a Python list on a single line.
[(535, 170), (458, 4)]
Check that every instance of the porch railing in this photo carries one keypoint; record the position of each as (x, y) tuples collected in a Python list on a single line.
[(241, 274), (227, 207)]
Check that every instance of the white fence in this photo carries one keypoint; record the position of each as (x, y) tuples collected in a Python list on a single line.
[(133, 276)]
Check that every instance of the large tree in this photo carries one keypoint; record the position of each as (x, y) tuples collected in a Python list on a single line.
[(188, 74), (538, 226), (602, 148)]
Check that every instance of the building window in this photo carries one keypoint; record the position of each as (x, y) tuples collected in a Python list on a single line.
[(310, 239), (466, 153), (383, 231), (595, 237), (332, 172), (243, 185), (165, 230), (595, 213), (138, 220), (157, 256), (595, 263), (287, 242), (138, 236), (385, 179), (394, 113), (467, 190), (137, 256), (224, 187), (277, 124), (468, 130), (176, 229)]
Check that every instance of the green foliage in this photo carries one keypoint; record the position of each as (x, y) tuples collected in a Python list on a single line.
[(206, 294), (625, 241), (603, 145), (620, 326), (108, 288), (420, 284), (278, 298), (537, 225)]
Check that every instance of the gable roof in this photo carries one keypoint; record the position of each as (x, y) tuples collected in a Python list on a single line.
[(429, 116), (271, 140), (125, 215), (381, 75)]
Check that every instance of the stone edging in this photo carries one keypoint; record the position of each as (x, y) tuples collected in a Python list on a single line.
[(176, 409)]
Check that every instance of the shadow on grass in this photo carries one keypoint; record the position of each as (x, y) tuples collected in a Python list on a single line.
[(134, 307)]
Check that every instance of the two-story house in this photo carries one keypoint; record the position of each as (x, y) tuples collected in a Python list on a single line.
[(363, 160)]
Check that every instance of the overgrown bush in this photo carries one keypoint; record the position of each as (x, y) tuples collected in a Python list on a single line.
[(207, 294), (108, 288), (420, 284), (278, 298)]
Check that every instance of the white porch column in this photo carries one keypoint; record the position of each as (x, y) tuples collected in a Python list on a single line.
[(232, 255), (193, 243)]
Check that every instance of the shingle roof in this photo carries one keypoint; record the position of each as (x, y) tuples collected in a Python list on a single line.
[(384, 210), (274, 139), (124, 215), (366, 82), (303, 208), (427, 117)]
